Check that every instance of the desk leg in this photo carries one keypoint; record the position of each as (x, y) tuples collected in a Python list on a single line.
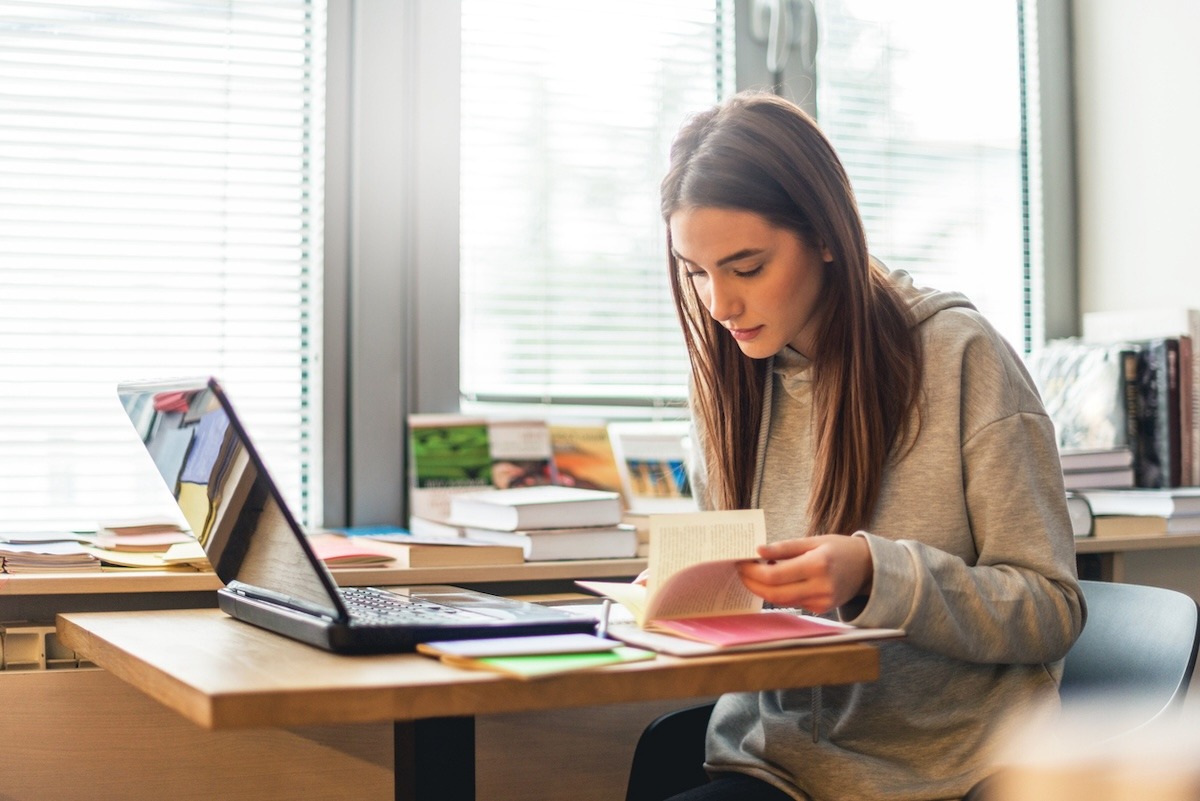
[(435, 759)]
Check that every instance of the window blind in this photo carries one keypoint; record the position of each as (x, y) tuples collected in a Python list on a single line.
[(922, 101), (160, 215), (568, 111)]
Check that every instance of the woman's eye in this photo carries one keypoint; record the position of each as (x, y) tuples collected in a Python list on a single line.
[(751, 272)]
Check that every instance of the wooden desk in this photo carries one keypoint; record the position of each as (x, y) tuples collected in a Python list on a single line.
[(1109, 551), (223, 674)]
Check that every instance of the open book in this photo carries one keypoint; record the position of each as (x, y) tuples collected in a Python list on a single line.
[(695, 593), (693, 567)]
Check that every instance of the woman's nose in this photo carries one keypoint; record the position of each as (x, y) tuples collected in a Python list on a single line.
[(722, 301)]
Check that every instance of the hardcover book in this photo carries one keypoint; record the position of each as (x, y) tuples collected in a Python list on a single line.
[(1168, 502), (448, 454), (557, 544), (652, 460), (1158, 415), (583, 457), (1082, 388), (547, 506)]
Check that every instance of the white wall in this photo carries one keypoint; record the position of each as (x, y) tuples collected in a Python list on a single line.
[(1137, 84)]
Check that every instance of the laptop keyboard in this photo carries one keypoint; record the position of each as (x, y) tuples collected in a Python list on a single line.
[(375, 607)]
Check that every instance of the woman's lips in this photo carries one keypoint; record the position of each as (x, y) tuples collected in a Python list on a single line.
[(745, 334)]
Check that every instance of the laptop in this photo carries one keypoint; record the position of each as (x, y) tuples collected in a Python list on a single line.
[(271, 575)]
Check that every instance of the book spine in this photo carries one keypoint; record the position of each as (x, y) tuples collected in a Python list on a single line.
[(1173, 428), (1129, 389), (1150, 468), (1187, 420), (1160, 412), (1194, 332)]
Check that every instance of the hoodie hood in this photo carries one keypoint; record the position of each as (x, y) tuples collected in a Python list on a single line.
[(924, 302)]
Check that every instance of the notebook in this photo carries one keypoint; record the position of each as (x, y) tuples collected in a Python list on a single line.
[(272, 577)]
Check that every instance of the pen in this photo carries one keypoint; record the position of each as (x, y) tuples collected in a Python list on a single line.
[(602, 629)]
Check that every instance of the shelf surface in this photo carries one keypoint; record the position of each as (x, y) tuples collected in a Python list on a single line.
[(162, 581)]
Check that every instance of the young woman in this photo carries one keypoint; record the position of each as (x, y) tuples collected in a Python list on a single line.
[(902, 457)]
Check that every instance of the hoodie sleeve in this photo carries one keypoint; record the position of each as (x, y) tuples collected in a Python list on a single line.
[(994, 580)]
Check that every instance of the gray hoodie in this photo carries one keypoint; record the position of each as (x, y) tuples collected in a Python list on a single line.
[(973, 557)]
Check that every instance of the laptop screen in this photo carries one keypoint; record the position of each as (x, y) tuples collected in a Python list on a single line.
[(232, 506)]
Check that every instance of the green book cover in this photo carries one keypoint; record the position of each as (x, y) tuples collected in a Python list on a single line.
[(534, 665)]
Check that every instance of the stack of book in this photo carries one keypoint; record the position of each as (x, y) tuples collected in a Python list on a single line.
[(645, 463), (1110, 468), (1080, 512), (548, 522), (453, 454), (1163, 363), (1144, 512), (1123, 393)]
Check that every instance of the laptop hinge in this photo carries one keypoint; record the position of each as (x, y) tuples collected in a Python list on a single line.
[(261, 594)]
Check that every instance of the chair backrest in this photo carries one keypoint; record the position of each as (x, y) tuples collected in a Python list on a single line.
[(1139, 644), (669, 757)]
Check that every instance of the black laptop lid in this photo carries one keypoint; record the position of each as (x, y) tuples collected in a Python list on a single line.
[(218, 478)]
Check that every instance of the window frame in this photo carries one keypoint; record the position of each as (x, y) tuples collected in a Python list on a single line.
[(392, 224)]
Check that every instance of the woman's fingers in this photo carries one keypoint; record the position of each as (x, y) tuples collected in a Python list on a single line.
[(815, 573)]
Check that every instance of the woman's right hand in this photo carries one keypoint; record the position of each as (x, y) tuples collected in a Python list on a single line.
[(816, 574)]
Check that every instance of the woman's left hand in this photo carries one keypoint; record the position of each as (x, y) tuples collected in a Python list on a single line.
[(816, 574)]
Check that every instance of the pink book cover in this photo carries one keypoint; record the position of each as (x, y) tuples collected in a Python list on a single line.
[(743, 629)]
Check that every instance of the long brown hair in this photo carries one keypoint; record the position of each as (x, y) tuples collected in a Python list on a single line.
[(759, 153)]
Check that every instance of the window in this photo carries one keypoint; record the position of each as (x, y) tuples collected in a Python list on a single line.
[(567, 115), (160, 215), (922, 101), (564, 295)]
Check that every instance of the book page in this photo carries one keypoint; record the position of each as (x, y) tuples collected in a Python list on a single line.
[(707, 588), (629, 595), (679, 544), (693, 566), (679, 540)]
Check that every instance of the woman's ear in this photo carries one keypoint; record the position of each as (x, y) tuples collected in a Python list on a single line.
[(826, 255)]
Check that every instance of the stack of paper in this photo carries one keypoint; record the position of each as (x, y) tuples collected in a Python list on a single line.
[(45, 552), (145, 543)]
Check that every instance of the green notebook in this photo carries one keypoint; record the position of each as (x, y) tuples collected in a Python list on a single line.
[(534, 665)]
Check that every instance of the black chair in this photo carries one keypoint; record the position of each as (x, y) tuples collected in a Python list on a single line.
[(1139, 642), (669, 757)]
